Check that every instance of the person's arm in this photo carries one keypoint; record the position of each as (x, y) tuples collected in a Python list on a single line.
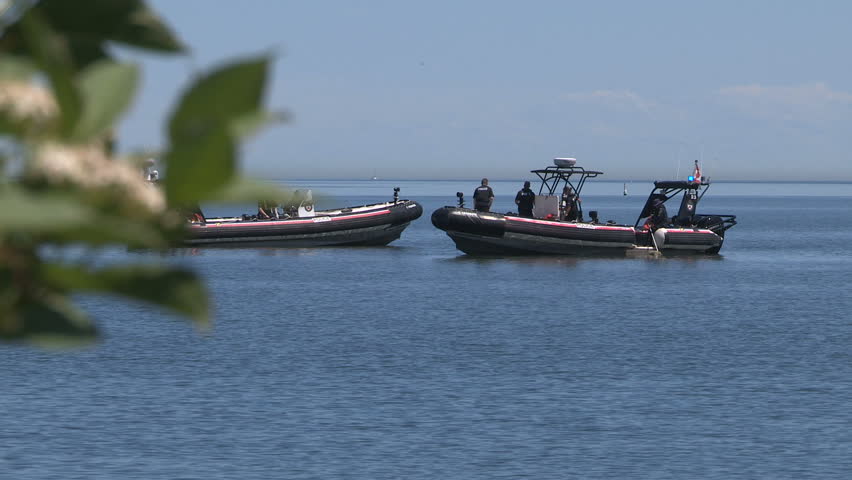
[(518, 198)]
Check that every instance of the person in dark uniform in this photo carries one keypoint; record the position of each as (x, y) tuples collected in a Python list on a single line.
[(525, 200), (659, 215), (569, 204), (483, 197)]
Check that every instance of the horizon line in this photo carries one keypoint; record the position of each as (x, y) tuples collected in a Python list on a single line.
[(478, 179)]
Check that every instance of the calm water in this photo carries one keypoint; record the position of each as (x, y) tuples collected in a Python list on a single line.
[(415, 362)]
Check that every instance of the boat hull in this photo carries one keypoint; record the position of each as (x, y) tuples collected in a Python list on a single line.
[(370, 225), (478, 233)]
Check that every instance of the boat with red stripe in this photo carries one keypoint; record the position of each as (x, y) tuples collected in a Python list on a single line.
[(558, 226), (366, 225)]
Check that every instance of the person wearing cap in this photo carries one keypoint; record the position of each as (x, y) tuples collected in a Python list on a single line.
[(525, 200), (659, 215), (483, 197)]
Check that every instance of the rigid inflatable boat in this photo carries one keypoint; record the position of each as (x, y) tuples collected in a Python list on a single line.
[(557, 225), (367, 225)]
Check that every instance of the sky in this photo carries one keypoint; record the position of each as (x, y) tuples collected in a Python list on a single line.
[(757, 90)]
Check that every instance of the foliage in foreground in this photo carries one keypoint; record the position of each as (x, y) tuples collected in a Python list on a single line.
[(61, 94)]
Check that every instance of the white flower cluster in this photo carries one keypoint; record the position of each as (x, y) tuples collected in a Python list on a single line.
[(27, 103), (88, 166)]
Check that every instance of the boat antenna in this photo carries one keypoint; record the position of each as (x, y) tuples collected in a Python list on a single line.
[(677, 163)]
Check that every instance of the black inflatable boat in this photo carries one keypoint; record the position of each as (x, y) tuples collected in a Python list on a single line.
[(367, 225), (557, 225)]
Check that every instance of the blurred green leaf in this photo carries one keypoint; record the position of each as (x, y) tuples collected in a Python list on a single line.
[(43, 213), (51, 53), (203, 127), (88, 28), (226, 95), (64, 218), (247, 190), (107, 89), (49, 321), (11, 126), (248, 125), (112, 230), (17, 68), (67, 44), (130, 22), (173, 288), (196, 168)]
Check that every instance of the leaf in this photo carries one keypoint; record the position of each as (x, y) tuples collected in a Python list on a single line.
[(130, 22), (143, 28), (17, 68), (9, 125), (87, 31), (25, 212), (219, 98), (50, 321), (220, 105), (176, 289), (51, 53), (196, 168), (64, 218), (111, 230), (246, 190), (249, 124), (107, 89)]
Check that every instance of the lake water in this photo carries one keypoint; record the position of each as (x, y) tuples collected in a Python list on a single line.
[(416, 362)]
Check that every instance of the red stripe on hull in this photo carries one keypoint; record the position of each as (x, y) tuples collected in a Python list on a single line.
[(570, 225), (291, 222)]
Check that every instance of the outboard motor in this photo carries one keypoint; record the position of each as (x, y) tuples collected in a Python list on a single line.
[(395, 195), (461, 199)]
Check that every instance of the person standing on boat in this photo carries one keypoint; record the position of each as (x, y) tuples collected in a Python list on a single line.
[(569, 204), (483, 197), (525, 200)]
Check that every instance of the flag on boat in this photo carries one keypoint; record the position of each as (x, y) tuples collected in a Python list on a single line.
[(696, 174)]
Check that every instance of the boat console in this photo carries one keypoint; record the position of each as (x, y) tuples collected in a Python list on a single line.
[(693, 191)]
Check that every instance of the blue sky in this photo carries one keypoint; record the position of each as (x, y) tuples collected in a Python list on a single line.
[(758, 90)]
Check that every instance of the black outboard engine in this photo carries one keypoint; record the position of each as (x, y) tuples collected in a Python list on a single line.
[(461, 199), (395, 195)]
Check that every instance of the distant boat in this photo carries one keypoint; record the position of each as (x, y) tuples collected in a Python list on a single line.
[(625, 189)]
